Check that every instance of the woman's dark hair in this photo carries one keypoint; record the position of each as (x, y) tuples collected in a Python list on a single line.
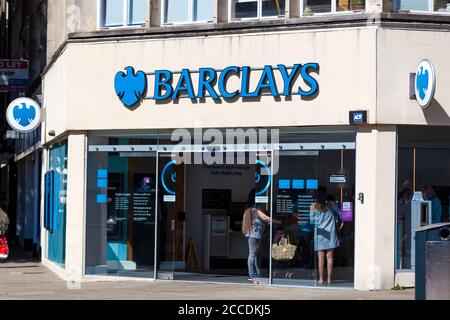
[(251, 199)]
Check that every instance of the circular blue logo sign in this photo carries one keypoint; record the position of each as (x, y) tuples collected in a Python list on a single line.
[(425, 83), (23, 115)]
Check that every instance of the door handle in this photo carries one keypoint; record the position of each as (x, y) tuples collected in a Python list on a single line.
[(173, 225)]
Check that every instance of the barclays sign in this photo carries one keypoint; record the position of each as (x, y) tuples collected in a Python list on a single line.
[(131, 87), (425, 83)]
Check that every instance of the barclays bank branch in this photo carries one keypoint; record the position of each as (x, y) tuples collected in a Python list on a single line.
[(154, 143)]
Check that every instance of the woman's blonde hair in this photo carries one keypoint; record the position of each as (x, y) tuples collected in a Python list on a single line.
[(321, 207), (247, 220)]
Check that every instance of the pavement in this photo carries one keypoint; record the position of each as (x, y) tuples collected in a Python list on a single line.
[(25, 279)]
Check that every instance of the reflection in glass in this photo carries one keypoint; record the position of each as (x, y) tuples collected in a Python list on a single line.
[(272, 8), (202, 10), (121, 212), (241, 9), (442, 6), (137, 11), (404, 196), (57, 238), (350, 5), (112, 13), (316, 6), (176, 11), (417, 5), (423, 188)]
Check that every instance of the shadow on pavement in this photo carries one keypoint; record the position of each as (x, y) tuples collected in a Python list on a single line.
[(18, 256)]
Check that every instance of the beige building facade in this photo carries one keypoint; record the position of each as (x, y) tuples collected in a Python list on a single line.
[(365, 61)]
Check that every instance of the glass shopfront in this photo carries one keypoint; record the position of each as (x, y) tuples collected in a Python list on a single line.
[(57, 231), (201, 211), (120, 228), (423, 185), (158, 212), (302, 177)]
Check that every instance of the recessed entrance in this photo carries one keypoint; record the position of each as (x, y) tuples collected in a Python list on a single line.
[(201, 210), (152, 215), (202, 206)]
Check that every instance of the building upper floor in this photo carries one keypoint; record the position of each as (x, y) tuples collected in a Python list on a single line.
[(122, 17)]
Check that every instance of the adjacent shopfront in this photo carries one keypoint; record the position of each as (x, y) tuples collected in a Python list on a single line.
[(142, 200)]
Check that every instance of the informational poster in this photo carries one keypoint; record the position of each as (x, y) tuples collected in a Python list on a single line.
[(121, 201), (346, 211), (296, 202), (143, 199), (304, 201), (142, 206), (285, 203)]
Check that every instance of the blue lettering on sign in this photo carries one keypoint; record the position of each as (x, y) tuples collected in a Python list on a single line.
[(310, 81), (131, 87), (357, 117), (184, 84), (207, 77), (223, 78), (288, 78), (163, 80)]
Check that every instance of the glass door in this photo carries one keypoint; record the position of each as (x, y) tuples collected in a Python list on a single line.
[(201, 207), (171, 216), (121, 207), (263, 194), (321, 238), (295, 187)]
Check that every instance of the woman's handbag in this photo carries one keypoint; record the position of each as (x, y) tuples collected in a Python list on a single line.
[(283, 250), (4, 250)]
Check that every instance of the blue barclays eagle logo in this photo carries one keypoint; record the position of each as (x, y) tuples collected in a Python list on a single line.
[(24, 114), (422, 82), (131, 87)]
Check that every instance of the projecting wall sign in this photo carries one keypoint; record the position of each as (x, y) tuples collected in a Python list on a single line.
[(425, 83), (23, 115), (131, 86)]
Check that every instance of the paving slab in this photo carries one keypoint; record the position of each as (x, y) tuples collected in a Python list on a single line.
[(30, 280)]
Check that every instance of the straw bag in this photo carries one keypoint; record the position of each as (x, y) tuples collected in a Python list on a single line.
[(283, 250)]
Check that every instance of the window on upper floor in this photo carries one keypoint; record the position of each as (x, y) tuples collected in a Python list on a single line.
[(332, 6), (440, 6), (123, 13), (187, 11), (256, 9)]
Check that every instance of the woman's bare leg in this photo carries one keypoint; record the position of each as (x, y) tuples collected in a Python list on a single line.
[(329, 264), (321, 256)]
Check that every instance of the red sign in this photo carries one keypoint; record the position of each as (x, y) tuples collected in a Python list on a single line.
[(13, 75)]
